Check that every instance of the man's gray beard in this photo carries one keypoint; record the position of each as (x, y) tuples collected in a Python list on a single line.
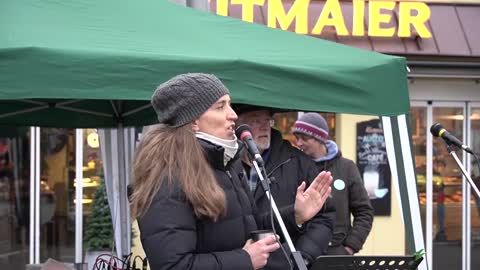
[(262, 146)]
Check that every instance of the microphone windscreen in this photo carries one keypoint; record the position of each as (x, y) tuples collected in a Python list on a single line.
[(240, 131), (435, 129)]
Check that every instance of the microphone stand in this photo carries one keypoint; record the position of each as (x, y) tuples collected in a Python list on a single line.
[(299, 263), (459, 163)]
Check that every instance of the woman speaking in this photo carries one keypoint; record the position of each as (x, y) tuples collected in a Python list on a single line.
[(191, 203)]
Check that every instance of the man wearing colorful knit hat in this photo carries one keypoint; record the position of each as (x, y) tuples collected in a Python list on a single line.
[(349, 194)]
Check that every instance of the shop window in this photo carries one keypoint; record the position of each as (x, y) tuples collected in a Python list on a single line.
[(475, 174), (447, 178), (58, 189)]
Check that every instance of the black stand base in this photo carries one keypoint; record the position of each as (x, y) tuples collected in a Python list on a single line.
[(365, 263)]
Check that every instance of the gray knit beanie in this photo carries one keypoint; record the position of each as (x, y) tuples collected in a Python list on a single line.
[(312, 124), (185, 97)]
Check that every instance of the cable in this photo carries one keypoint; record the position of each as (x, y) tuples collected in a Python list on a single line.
[(143, 262), (111, 262)]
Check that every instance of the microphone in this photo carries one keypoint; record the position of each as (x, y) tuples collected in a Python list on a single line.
[(244, 133), (438, 130)]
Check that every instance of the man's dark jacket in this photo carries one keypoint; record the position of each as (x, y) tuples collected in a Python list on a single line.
[(287, 167), (353, 198), (174, 238)]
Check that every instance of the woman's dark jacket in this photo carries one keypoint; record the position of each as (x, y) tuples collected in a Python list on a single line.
[(174, 238), (352, 199), (287, 167)]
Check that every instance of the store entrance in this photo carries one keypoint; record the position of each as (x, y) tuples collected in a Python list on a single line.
[(450, 212), (22, 243)]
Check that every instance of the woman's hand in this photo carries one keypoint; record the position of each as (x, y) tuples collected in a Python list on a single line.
[(309, 202), (260, 251)]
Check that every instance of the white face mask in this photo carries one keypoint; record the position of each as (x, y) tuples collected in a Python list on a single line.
[(230, 146)]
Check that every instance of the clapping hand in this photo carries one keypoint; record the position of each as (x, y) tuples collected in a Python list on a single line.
[(309, 202)]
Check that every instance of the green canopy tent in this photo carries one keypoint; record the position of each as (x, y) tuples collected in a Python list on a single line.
[(96, 63)]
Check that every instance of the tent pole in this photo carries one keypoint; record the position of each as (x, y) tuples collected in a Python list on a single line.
[(195, 4), (429, 190), (198, 4), (122, 189), (32, 197), (78, 195), (37, 195), (397, 139), (109, 145)]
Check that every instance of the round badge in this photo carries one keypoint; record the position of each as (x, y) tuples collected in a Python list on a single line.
[(339, 184)]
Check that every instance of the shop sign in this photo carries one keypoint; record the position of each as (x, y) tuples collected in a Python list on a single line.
[(411, 15)]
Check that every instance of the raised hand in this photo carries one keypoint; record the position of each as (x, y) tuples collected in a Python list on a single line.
[(309, 202), (260, 251)]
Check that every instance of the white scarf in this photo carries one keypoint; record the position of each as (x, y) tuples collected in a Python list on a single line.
[(230, 146)]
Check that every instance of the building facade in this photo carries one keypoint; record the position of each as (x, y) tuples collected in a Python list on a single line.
[(441, 42)]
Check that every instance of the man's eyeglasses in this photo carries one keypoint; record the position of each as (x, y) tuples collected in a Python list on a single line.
[(256, 123)]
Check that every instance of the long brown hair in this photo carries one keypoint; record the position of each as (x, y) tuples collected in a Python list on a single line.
[(174, 154)]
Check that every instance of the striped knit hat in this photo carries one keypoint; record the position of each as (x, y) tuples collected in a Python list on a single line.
[(312, 124)]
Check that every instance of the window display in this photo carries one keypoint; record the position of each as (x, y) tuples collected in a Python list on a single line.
[(446, 176)]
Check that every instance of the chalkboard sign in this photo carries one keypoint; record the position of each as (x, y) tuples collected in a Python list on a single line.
[(373, 165)]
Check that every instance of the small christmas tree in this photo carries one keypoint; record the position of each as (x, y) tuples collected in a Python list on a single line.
[(99, 229)]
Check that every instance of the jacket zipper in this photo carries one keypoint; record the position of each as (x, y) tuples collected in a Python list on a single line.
[(278, 166), (272, 171)]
